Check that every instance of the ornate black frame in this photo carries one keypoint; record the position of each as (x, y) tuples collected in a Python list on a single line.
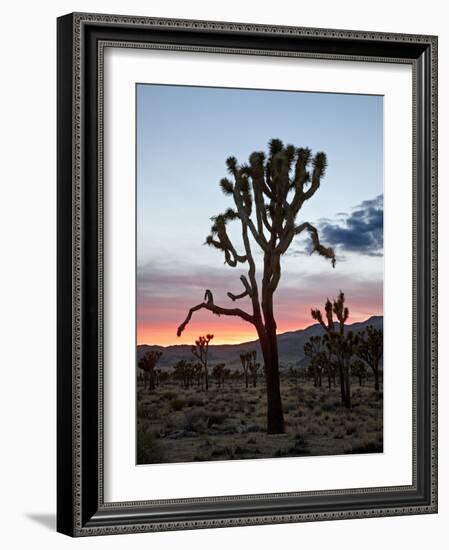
[(81, 509)]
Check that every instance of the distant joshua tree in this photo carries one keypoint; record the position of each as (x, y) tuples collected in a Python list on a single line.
[(313, 349), (370, 349), (250, 367), (268, 194), (358, 369), (200, 350), (219, 374), (199, 375), (147, 364), (342, 346)]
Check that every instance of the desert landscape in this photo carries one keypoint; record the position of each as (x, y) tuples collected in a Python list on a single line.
[(178, 420), (259, 303)]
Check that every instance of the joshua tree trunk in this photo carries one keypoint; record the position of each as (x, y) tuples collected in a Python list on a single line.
[(347, 388), (151, 380), (342, 383), (275, 415)]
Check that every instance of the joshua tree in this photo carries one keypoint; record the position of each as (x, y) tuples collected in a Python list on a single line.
[(244, 358), (185, 372), (342, 346), (250, 367), (198, 374), (226, 375), (267, 193), (370, 349), (313, 350), (358, 369), (254, 368), (219, 374), (179, 372), (147, 364), (201, 350)]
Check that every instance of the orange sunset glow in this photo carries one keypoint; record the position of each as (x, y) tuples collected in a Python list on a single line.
[(235, 331)]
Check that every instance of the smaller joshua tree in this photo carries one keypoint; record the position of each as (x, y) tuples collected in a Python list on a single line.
[(313, 349), (250, 367), (254, 369), (198, 375), (358, 369), (147, 364), (370, 349), (200, 350), (341, 346), (185, 372), (219, 374)]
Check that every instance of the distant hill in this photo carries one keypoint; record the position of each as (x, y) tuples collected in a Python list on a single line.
[(290, 345)]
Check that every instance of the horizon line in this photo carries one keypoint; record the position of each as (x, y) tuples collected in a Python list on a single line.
[(256, 340)]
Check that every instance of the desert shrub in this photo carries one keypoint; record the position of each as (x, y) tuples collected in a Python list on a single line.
[(194, 402), (373, 425), (148, 411), (313, 427), (215, 419), (169, 395), (177, 404), (331, 406), (239, 406), (149, 449), (289, 407), (196, 420), (252, 428), (367, 445), (232, 452), (351, 428), (339, 432)]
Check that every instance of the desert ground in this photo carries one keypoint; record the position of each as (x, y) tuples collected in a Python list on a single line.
[(176, 424)]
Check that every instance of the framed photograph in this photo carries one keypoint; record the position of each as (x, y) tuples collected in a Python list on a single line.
[(247, 278)]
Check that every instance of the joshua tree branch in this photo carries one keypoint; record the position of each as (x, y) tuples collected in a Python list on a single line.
[(246, 220), (235, 297), (246, 292), (217, 310), (317, 246), (312, 189)]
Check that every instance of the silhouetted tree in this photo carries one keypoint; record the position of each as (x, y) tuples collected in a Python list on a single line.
[(245, 359), (218, 374), (342, 346), (250, 367), (201, 350), (370, 349), (199, 375), (358, 369), (268, 192), (147, 364), (313, 349)]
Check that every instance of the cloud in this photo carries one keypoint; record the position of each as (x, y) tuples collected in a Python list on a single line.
[(361, 231)]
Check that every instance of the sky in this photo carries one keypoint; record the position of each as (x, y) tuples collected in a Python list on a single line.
[(184, 135)]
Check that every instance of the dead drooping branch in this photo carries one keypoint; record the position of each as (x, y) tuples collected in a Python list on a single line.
[(317, 246), (217, 310), (247, 292)]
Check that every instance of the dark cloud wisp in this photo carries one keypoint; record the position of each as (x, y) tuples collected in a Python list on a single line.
[(361, 231)]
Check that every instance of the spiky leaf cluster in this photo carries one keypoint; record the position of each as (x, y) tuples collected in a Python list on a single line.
[(271, 188)]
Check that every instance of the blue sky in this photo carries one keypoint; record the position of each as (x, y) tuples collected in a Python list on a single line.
[(184, 135)]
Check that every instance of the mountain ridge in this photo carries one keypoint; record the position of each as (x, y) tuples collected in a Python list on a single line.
[(290, 346)]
